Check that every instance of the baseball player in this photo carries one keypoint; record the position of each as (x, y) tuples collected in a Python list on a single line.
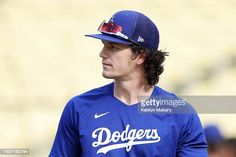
[(107, 121)]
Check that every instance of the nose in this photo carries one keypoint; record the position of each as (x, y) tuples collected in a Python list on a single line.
[(104, 53)]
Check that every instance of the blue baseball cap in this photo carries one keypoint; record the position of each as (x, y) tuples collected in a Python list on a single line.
[(129, 27), (213, 134)]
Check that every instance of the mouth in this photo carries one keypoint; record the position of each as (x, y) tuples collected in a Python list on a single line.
[(106, 64)]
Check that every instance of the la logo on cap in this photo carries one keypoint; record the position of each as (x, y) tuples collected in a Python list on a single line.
[(111, 20)]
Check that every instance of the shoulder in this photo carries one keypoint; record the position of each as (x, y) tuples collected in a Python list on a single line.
[(162, 92), (90, 97), (186, 118), (95, 93), (178, 104)]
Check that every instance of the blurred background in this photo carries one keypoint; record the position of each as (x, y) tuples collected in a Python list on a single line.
[(45, 59)]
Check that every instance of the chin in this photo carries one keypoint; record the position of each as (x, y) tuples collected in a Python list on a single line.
[(108, 76)]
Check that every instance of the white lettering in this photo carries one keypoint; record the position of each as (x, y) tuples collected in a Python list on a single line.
[(128, 138), (100, 135)]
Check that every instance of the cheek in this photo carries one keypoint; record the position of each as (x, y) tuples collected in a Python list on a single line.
[(122, 61), (132, 62), (127, 66)]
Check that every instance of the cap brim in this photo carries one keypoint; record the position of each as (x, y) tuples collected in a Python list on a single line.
[(109, 38)]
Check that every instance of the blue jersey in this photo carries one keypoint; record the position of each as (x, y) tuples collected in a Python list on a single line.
[(97, 124)]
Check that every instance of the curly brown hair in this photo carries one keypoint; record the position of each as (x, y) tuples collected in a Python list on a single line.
[(153, 64)]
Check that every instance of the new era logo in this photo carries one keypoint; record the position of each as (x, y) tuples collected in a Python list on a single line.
[(140, 39)]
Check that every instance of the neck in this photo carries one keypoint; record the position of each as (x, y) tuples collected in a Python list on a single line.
[(129, 91)]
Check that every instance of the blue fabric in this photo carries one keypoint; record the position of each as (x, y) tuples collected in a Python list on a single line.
[(213, 134), (96, 124)]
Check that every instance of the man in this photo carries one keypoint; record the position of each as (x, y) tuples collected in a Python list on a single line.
[(106, 121), (214, 140), (229, 148)]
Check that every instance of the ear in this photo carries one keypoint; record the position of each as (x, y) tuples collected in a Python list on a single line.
[(141, 58)]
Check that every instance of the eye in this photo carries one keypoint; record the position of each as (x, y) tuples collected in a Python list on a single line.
[(114, 47)]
